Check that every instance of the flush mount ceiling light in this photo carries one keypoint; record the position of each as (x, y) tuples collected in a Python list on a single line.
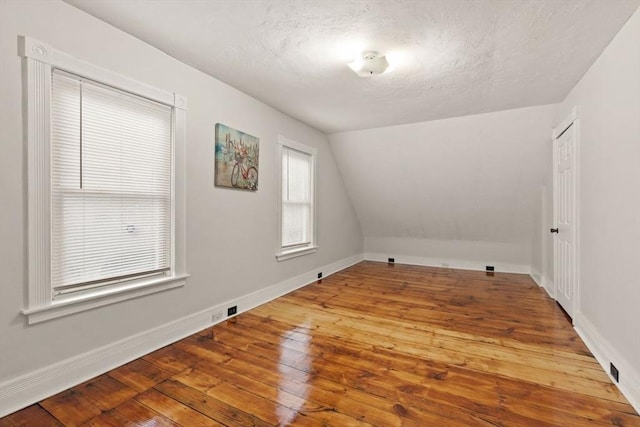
[(370, 64)]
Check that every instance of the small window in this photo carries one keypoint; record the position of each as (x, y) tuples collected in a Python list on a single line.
[(296, 204)]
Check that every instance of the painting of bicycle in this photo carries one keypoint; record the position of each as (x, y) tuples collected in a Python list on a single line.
[(236, 164)]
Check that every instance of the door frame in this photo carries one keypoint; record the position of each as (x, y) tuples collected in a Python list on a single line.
[(571, 120)]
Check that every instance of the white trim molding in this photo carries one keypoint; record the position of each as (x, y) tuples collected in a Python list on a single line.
[(20, 392), (544, 282), (564, 125), (39, 60), (549, 286), (605, 353), (450, 263), (296, 253), (283, 253), (537, 277), (37, 51), (37, 90), (102, 297)]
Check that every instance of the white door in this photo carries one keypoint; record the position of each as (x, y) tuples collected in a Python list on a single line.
[(565, 218)]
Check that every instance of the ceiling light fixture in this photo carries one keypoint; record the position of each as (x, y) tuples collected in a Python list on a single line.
[(370, 64)]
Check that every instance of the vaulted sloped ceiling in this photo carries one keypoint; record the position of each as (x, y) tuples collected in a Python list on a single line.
[(445, 154), (465, 179), (450, 57)]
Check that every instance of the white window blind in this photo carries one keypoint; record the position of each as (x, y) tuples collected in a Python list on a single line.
[(296, 198), (111, 183)]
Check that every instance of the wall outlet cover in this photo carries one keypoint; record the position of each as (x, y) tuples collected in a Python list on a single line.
[(614, 372)]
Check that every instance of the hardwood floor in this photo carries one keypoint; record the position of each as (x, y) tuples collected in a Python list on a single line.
[(375, 344)]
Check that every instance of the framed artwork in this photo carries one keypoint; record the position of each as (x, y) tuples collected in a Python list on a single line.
[(236, 164)]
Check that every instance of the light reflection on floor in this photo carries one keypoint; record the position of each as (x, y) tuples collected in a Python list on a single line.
[(303, 339)]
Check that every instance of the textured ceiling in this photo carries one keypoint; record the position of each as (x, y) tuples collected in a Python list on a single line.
[(449, 57)]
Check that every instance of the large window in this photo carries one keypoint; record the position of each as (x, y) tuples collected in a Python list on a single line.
[(296, 204), (110, 185), (102, 159)]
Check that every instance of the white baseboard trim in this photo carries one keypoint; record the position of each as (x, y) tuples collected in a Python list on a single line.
[(32, 387), (449, 263), (605, 353), (549, 285), (537, 277), (544, 282)]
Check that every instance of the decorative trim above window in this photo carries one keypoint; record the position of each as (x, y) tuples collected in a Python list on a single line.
[(40, 61)]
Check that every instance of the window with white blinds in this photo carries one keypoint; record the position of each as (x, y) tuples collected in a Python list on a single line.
[(111, 185), (297, 230)]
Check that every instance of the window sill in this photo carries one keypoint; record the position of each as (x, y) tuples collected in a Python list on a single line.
[(296, 253), (98, 298)]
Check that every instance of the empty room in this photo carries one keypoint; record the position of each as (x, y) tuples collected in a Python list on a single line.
[(319, 212)]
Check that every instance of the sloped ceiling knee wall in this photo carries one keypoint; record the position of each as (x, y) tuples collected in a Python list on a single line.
[(462, 192)]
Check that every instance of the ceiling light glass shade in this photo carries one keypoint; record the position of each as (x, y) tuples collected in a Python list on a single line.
[(370, 64)]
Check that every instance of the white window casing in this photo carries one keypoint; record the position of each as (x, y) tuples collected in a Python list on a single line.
[(105, 208), (296, 199)]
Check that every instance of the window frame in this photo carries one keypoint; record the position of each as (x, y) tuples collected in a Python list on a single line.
[(39, 60), (288, 252)]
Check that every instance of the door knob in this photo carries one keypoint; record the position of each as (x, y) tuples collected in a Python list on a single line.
[(554, 230)]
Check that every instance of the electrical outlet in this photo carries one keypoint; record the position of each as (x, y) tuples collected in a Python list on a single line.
[(614, 372), (232, 310), (490, 268), (217, 316), (391, 260), (320, 275)]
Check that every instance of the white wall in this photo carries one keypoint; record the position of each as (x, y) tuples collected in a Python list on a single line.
[(465, 191), (231, 235), (461, 191), (608, 100)]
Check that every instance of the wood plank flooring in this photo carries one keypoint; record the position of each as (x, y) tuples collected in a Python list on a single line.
[(372, 345)]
